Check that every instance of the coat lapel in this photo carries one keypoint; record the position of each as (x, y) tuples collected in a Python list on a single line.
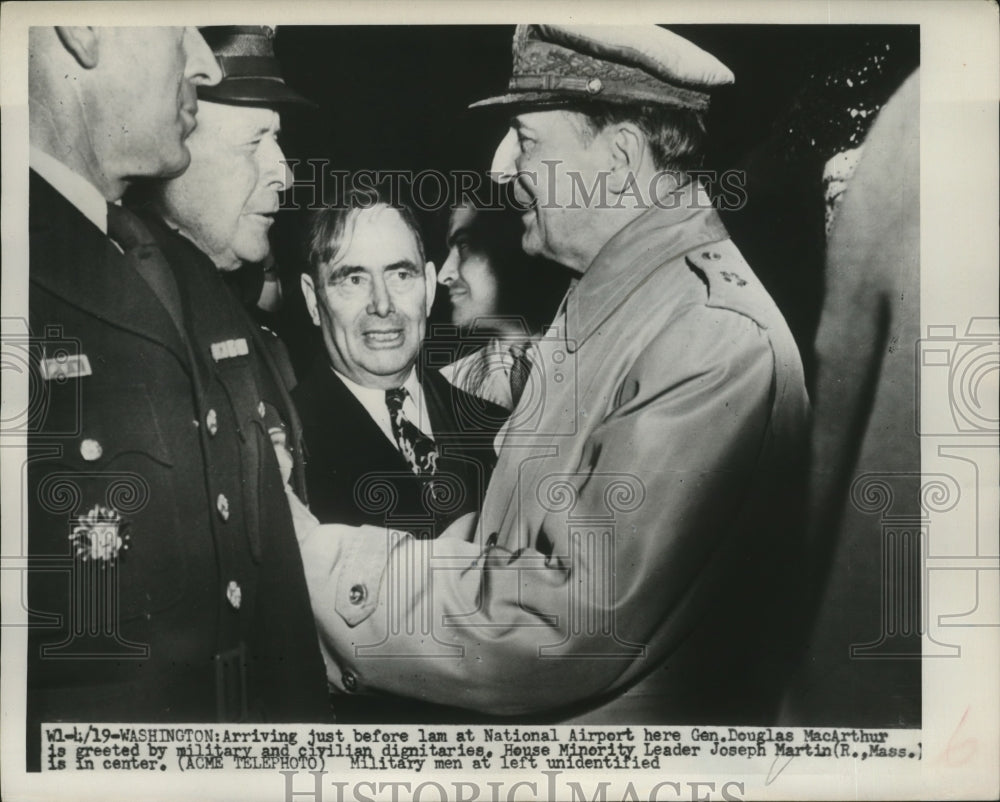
[(439, 410), (348, 430), (74, 260)]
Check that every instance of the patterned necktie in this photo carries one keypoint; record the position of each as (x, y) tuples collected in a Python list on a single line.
[(418, 449), (520, 369)]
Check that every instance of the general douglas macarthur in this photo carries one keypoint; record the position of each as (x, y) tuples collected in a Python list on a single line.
[(622, 564), (164, 583)]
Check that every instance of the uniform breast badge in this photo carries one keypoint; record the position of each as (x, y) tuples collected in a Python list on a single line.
[(102, 535), (229, 349)]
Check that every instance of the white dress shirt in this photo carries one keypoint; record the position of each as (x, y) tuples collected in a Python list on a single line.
[(373, 400), (485, 373)]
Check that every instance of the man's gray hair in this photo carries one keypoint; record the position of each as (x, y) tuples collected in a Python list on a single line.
[(676, 136), (330, 229)]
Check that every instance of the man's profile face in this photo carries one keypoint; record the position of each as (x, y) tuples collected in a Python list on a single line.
[(227, 199), (145, 104), (373, 299), (554, 165), (467, 272)]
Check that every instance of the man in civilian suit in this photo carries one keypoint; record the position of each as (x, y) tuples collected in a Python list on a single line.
[(386, 442), (164, 582)]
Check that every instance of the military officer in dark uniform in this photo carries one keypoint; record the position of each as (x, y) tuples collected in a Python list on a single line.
[(225, 202), (165, 582)]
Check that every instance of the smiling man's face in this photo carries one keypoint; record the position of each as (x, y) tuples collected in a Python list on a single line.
[(555, 166), (468, 274), (226, 200), (372, 300)]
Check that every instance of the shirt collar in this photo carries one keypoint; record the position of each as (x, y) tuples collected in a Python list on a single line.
[(72, 186), (372, 396)]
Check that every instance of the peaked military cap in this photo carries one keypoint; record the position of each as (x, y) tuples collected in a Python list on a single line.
[(557, 64), (251, 74)]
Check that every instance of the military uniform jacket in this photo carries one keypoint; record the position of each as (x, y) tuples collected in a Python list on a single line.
[(636, 516), (165, 582)]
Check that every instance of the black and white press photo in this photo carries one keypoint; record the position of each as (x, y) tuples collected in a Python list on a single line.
[(406, 402)]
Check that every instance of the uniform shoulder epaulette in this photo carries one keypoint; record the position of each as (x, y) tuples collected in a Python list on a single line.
[(730, 281)]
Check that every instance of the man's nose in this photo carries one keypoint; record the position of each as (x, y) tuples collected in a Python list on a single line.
[(449, 270), (201, 69), (380, 302), (504, 168), (276, 170)]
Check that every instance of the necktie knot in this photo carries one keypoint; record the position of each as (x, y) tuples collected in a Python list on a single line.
[(519, 350), (126, 228), (394, 399)]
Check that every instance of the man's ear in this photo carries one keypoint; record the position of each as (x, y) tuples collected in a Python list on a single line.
[(309, 293), (627, 143), (430, 284), (82, 43)]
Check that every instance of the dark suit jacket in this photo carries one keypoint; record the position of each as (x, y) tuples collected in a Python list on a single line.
[(355, 475), (208, 604)]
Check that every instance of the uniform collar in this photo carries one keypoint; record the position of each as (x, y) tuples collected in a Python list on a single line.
[(683, 220), (72, 186)]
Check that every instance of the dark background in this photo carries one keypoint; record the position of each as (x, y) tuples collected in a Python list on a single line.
[(395, 97)]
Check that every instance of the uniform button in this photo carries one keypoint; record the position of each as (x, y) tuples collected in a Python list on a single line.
[(234, 594), (91, 450), (261, 409), (212, 422), (350, 681), (222, 505), (358, 594)]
